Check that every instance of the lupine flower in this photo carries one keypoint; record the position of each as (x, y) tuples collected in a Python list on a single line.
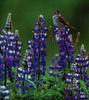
[(79, 72), (34, 60), (66, 51), (26, 74), (28, 62), (64, 41), (72, 81), (11, 43), (39, 38), (82, 63), (11, 47)]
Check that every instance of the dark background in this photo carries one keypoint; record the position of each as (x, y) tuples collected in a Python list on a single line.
[(25, 13)]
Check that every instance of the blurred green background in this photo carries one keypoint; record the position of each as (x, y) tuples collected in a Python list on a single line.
[(25, 13)]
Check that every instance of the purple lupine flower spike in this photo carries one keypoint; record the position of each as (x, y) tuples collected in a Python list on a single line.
[(9, 45), (79, 72), (27, 74), (66, 49), (40, 35), (34, 61), (64, 41)]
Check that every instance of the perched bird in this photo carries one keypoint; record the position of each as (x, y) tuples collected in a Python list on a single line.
[(59, 21)]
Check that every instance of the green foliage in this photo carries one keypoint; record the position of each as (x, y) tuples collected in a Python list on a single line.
[(83, 87), (50, 90)]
